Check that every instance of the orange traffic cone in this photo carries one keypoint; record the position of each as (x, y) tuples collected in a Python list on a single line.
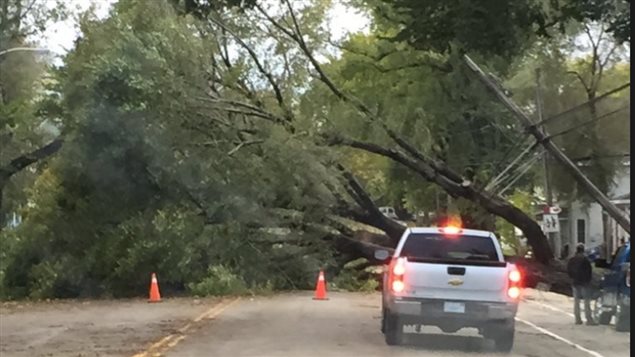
[(320, 288), (155, 296)]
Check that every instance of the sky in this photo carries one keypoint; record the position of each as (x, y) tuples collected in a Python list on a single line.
[(59, 37)]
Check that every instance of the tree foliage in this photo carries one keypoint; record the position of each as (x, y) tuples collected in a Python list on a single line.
[(228, 147), (146, 181), (24, 125), (500, 28)]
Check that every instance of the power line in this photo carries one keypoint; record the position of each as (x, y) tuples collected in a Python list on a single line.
[(505, 156), (522, 170), (614, 156), (566, 131), (497, 180), (579, 106)]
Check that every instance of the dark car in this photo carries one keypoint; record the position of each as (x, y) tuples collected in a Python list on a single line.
[(614, 298), (593, 254)]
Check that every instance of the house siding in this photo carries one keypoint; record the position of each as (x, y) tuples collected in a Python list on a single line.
[(598, 225)]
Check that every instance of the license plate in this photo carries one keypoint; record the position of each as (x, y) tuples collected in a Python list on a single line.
[(454, 307)]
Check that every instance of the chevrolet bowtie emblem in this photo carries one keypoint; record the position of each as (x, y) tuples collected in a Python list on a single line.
[(455, 282)]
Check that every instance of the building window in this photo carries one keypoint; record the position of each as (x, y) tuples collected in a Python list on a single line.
[(581, 231)]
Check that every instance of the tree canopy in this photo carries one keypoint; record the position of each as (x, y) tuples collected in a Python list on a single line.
[(208, 141)]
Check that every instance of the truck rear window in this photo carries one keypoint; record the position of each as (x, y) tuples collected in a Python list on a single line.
[(442, 249)]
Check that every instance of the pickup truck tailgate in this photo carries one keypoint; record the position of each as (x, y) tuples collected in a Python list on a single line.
[(456, 282)]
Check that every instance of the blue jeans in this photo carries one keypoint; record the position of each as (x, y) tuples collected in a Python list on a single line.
[(582, 292)]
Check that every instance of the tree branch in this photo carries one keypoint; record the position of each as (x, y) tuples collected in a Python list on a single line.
[(601, 65), (490, 203), (443, 67), (243, 144), (297, 36), (377, 58), (253, 110), (586, 87), (21, 162), (392, 228), (278, 93)]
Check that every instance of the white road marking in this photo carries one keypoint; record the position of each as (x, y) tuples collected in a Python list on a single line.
[(559, 338), (550, 307)]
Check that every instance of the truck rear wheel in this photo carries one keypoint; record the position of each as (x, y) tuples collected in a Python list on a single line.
[(392, 330), (503, 337)]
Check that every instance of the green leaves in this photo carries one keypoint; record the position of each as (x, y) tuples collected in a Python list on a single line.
[(500, 28), (156, 177)]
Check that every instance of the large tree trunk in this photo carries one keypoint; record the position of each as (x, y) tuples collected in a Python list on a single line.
[(357, 249), (371, 214), (493, 204)]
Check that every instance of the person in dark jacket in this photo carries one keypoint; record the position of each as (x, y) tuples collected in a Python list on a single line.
[(580, 272)]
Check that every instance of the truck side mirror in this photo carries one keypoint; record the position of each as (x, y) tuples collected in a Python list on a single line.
[(381, 255)]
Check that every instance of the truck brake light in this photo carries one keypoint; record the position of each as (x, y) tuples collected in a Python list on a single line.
[(514, 283), (400, 267), (450, 230), (514, 276), (398, 286), (397, 272), (513, 292)]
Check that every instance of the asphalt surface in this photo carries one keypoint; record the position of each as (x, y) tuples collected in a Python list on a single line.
[(348, 325), (282, 325), (110, 328)]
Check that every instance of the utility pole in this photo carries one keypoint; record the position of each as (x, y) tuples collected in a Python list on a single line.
[(539, 109), (554, 238), (541, 136)]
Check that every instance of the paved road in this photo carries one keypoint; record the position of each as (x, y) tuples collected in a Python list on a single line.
[(113, 328), (348, 325), (282, 325)]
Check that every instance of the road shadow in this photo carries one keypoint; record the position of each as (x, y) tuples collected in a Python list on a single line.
[(449, 342)]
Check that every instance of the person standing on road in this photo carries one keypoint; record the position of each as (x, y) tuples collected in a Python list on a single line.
[(580, 271), (565, 251), (622, 244)]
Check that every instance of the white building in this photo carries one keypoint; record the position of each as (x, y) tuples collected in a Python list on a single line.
[(589, 224)]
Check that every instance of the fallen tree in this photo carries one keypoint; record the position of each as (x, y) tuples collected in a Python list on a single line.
[(429, 169)]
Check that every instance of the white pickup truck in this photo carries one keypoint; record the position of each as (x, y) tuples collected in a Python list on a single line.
[(452, 278)]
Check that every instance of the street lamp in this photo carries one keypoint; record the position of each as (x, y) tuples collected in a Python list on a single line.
[(30, 49)]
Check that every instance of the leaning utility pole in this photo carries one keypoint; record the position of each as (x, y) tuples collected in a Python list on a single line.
[(554, 237), (542, 137), (539, 108)]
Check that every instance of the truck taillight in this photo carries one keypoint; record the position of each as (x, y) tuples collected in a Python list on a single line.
[(514, 284), (513, 292), (397, 272), (398, 286), (514, 276), (400, 267)]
